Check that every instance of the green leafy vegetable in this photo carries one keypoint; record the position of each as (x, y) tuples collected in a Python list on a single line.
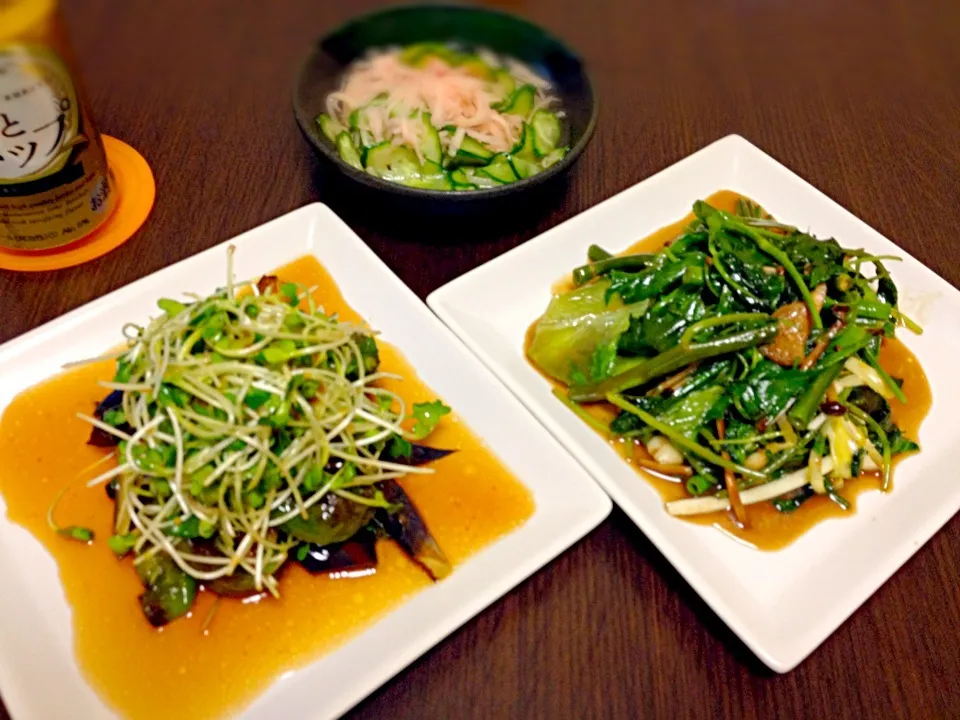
[(575, 325), (426, 416), (749, 345), (171, 307), (768, 390), (122, 544)]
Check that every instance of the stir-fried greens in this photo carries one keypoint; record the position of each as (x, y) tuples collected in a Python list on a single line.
[(252, 430), (743, 357)]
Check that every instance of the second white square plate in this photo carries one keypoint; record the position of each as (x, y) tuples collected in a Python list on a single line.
[(781, 604), (35, 630)]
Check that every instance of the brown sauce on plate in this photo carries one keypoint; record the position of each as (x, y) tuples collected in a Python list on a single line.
[(770, 529), (470, 501)]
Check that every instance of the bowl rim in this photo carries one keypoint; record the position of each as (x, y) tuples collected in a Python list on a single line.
[(307, 125)]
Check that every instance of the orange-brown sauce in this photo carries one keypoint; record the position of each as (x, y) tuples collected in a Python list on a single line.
[(768, 528), (471, 500)]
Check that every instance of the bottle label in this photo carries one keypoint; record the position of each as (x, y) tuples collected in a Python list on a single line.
[(54, 182)]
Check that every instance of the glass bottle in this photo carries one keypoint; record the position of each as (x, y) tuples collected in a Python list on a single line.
[(55, 185)]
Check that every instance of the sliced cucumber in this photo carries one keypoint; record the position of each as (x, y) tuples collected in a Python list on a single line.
[(392, 162), (546, 127), (329, 127), (473, 152), (553, 158), (418, 52), (478, 179), (430, 142), (520, 102), (417, 55), (499, 169), (477, 67), (504, 84), (348, 151), (461, 180), (526, 146), (430, 182), (523, 167)]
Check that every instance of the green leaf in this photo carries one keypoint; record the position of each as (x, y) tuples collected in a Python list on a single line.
[(740, 433), (575, 324), (310, 388), (689, 413), (255, 499), (653, 281), (400, 447), (122, 544), (899, 444), (75, 532), (293, 321), (426, 416), (292, 293), (189, 528), (745, 264), (661, 327), (627, 422), (369, 352), (124, 372), (255, 398), (171, 307), (768, 389), (114, 417), (577, 376), (173, 395), (275, 356), (602, 361), (313, 479)]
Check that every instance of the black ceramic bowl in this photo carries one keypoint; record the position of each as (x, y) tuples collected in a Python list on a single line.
[(504, 34)]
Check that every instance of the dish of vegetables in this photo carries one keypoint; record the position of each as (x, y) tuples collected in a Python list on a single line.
[(251, 432), (437, 117), (741, 360)]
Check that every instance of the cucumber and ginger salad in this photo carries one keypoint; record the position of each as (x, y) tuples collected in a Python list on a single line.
[(742, 356), (252, 431), (432, 117)]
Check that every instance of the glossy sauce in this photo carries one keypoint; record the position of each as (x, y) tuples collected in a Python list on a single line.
[(768, 528), (180, 671)]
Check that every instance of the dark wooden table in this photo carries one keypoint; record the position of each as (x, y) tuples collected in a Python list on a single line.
[(862, 98)]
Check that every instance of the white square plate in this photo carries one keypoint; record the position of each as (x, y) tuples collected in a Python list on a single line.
[(782, 604), (36, 651)]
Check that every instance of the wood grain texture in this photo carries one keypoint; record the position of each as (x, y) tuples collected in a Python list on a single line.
[(861, 98)]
